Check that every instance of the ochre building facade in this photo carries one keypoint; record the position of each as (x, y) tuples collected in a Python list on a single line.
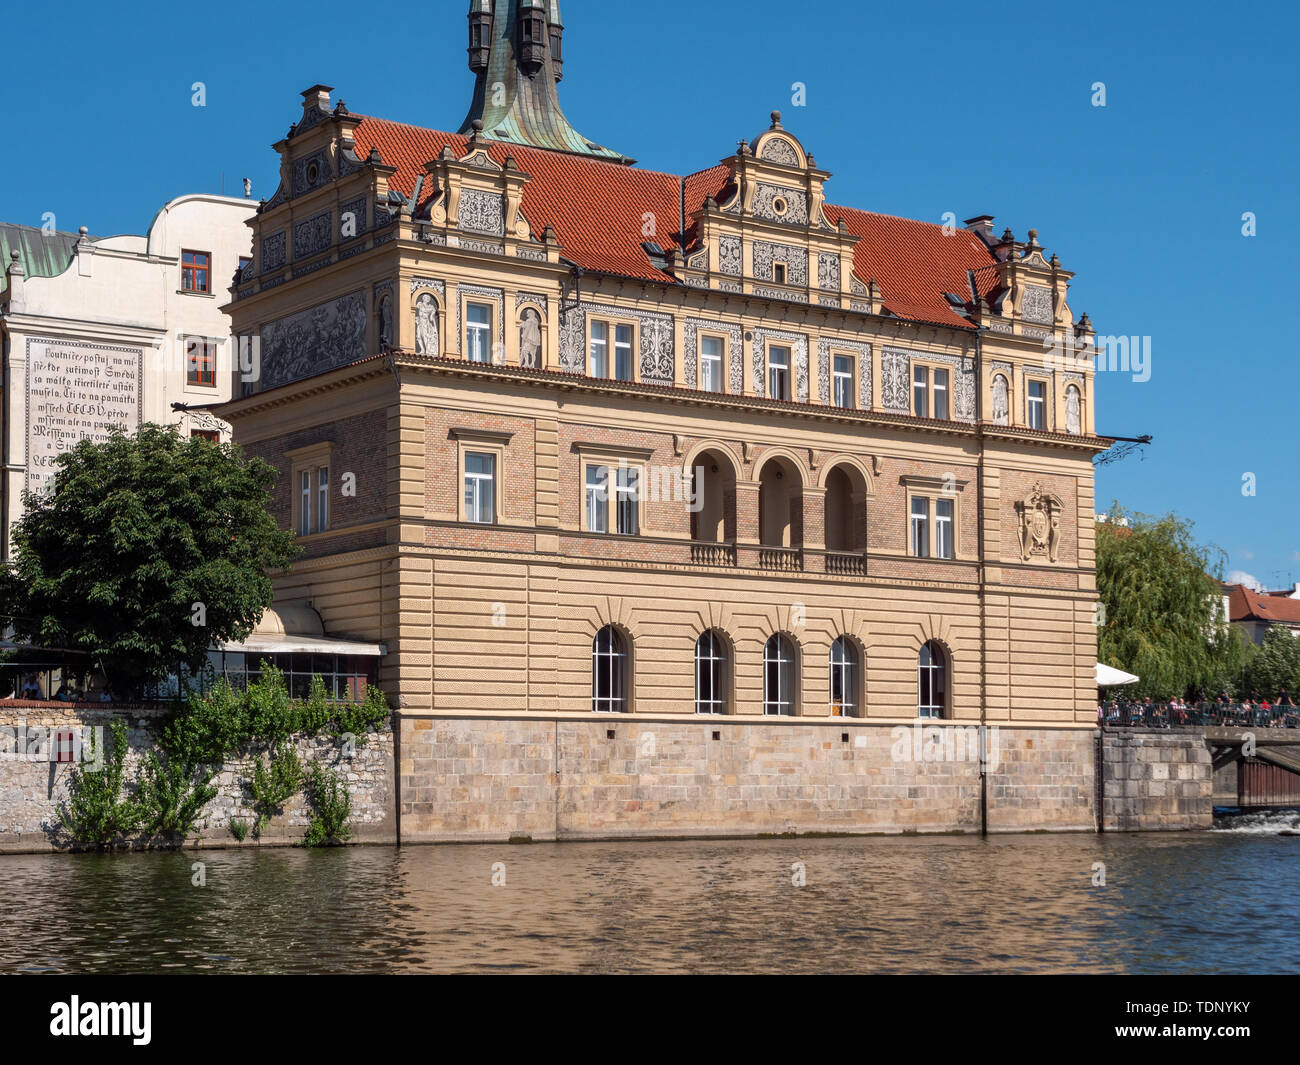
[(681, 505)]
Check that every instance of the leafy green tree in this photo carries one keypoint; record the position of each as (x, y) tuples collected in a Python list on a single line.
[(148, 550), (1161, 598), (1275, 666)]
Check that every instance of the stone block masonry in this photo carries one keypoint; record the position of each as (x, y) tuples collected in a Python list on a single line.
[(1157, 780), (480, 779), (33, 790)]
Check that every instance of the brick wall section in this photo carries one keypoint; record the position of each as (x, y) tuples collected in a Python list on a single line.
[(1157, 780), (360, 448), (32, 791), (442, 458)]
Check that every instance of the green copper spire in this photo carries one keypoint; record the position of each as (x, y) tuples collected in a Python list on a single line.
[(516, 53)]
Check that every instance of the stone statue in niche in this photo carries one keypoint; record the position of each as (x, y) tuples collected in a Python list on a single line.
[(1073, 411), (530, 339), (426, 326), (1001, 401), (1039, 531), (386, 323)]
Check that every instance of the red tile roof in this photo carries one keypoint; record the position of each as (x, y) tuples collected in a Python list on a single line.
[(598, 211), (1245, 605)]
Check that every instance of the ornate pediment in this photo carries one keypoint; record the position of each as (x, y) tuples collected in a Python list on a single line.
[(1039, 531)]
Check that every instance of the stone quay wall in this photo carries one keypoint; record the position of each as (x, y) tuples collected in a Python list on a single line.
[(33, 786), (489, 779), (1157, 780)]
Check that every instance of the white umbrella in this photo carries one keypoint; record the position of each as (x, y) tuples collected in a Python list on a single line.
[(1109, 677)]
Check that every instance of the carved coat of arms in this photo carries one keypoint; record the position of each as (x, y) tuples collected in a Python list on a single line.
[(1040, 525)]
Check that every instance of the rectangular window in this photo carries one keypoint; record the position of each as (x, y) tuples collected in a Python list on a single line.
[(322, 498), (304, 503), (711, 364), (779, 273), (843, 381), (480, 487), (245, 261), (778, 373), (921, 391), (200, 361), (598, 499), (599, 349), (1037, 405), (941, 394), (623, 352), (627, 495), (210, 435), (196, 271), (478, 332), (943, 542), (920, 527)]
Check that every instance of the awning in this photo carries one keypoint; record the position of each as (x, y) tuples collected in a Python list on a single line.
[(1109, 677), (297, 629)]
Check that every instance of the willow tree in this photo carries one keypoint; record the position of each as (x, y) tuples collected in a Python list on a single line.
[(1162, 615), (147, 550)]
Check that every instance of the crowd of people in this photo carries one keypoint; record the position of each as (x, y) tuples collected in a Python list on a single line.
[(1253, 712)]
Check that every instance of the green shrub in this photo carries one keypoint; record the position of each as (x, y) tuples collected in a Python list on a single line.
[(239, 829), (172, 795), (97, 814), (333, 805), (276, 783)]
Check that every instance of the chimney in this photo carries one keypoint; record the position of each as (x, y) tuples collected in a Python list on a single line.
[(982, 226), (317, 98)]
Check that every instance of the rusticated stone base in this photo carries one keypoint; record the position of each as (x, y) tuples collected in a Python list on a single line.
[(498, 778)]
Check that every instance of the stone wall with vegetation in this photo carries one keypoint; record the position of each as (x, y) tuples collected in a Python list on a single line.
[(36, 790)]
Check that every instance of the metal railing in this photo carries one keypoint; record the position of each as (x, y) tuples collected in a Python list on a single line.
[(1121, 713)]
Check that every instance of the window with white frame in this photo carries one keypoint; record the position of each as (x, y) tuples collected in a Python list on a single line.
[(304, 503), (1036, 393), (844, 678), (623, 352), (710, 674), (480, 487), (920, 527), (842, 373), (609, 672), (478, 332), (779, 672), (778, 372), (943, 528), (940, 394), (597, 498), (322, 498), (711, 364), (932, 681), (599, 362), (921, 391), (627, 491)]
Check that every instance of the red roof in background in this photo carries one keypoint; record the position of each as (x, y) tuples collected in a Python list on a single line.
[(1245, 605), (597, 209)]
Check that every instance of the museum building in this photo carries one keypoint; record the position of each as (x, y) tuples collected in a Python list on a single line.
[(679, 504)]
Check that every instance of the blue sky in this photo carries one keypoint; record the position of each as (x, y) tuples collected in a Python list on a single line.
[(916, 109)]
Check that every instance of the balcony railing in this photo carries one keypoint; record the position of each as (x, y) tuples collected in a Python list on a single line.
[(846, 563), (780, 558), (708, 553)]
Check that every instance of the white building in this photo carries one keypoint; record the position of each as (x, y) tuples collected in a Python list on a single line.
[(106, 332)]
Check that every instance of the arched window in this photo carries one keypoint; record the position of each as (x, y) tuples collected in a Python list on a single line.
[(710, 674), (932, 682), (844, 678), (609, 672), (779, 671)]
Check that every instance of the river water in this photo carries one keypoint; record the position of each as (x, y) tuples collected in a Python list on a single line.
[(1219, 902)]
